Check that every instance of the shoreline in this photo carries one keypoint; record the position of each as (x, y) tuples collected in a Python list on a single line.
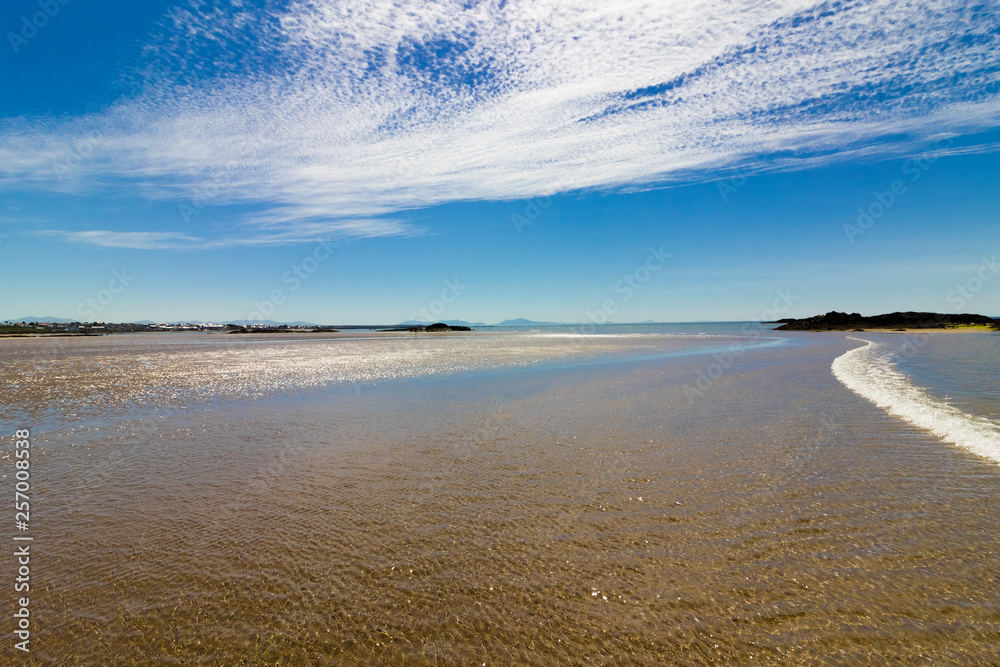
[(960, 329), (269, 335), (372, 333)]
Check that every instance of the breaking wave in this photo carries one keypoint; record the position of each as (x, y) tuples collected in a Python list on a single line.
[(869, 371)]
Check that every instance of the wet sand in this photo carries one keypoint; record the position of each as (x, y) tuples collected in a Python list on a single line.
[(964, 329), (587, 514)]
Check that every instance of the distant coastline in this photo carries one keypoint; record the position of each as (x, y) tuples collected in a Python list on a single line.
[(35, 326), (48, 329), (831, 321)]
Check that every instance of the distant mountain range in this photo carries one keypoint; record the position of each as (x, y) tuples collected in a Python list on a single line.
[(521, 322), (36, 318)]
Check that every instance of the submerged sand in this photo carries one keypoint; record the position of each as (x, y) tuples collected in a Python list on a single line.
[(592, 513)]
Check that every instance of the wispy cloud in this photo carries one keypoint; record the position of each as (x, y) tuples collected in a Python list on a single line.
[(260, 235), (136, 240), (342, 111)]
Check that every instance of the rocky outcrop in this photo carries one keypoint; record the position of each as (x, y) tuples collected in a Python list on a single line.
[(441, 326), (438, 327), (837, 321)]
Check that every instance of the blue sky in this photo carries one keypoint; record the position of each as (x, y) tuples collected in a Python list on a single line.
[(371, 161)]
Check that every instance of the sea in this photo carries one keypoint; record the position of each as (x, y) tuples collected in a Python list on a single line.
[(683, 494)]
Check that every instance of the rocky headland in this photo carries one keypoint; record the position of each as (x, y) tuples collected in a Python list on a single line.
[(837, 321)]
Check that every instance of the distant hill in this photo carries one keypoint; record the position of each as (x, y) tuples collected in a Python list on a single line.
[(521, 322), (39, 318)]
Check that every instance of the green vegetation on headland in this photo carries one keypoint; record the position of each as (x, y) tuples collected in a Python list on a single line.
[(837, 321), (37, 329), (20, 331)]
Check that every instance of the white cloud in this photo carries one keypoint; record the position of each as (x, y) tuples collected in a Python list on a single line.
[(347, 111), (138, 240), (270, 233)]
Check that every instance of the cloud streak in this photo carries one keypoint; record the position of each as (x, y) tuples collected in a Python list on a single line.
[(351, 112), (271, 234)]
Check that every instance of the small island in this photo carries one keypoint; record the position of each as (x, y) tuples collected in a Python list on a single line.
[(437, 327), (899, 321)]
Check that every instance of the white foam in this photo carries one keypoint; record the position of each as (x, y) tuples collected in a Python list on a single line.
[(870, 372)]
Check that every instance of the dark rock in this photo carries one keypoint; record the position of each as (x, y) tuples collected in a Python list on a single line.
[(438, 327), (837, 321), (441, 326)]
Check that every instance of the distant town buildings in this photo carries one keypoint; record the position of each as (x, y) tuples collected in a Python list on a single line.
[(14, 328)]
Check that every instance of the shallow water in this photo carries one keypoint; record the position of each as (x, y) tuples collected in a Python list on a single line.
[(518, 499), (941, 382), (962, 369)]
